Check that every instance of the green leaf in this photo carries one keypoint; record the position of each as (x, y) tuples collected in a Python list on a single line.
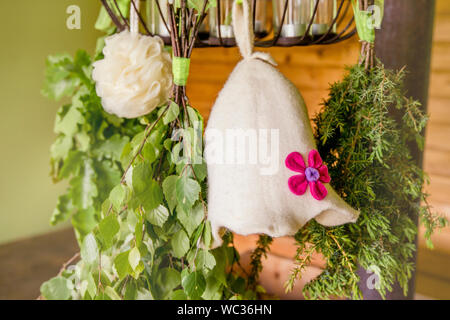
[(89, 249), (150, 153), (81, 60), (83, 188), (72, 165), (104, 22), (91, 286), (126, 155), (122, 265), (117, 196), (200, 170), (238, 285), (108, 176), (84, 221), (139, 232), (168, 144), (205, 260), (195, 117), (138, 270), (60, 149), (176, 157), (191, 219), (68, 124), (99, 46), (134, 257), (131, 291), (112, 293), (178, 295), (108, 228), (83, 141), (180, 244), (190, 149), (172, 113), (194, 284), (131, 148), (168, 279), (169, 188), (207, 234), (147, 191), (132, 220), (63, 210), (59, 80), (198, 233), (187, 191), (213, 289), (57, 288), (112, 147), (144, 294), (157, 135), (219, 271), (158, 216)]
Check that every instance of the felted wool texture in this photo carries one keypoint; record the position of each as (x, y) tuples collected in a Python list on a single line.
[(257, 96)]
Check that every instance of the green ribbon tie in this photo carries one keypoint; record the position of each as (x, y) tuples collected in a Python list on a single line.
[(364, 21), (180, 70)]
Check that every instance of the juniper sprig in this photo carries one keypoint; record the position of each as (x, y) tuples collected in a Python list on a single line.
[(366, 148)]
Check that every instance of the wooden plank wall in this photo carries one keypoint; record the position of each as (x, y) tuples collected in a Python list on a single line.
[(432, 277), (312, 69)]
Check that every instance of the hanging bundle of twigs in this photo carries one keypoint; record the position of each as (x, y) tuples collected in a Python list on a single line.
[(366, 32), (183, 23), (367, 48)]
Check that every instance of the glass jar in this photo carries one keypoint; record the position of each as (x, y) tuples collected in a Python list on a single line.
[(326, 12), (223, 30), (298, 14), (155, 22), (203, 31), (261, 23), (226, 25)]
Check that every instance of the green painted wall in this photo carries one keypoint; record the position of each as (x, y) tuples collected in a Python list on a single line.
[(30, 30)]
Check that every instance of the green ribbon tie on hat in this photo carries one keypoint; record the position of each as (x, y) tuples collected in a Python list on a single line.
[(180, 70)]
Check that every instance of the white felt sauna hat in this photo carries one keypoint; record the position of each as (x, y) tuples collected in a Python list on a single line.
[(264, 173)]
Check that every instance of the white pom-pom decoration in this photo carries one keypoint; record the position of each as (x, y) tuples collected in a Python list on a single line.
[(135, 75)]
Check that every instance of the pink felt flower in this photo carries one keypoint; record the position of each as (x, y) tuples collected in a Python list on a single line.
[(315, 175)]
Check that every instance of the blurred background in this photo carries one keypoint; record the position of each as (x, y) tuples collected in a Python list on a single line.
[(31, 251)]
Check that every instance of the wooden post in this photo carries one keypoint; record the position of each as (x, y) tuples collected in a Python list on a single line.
[(405, 39)]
